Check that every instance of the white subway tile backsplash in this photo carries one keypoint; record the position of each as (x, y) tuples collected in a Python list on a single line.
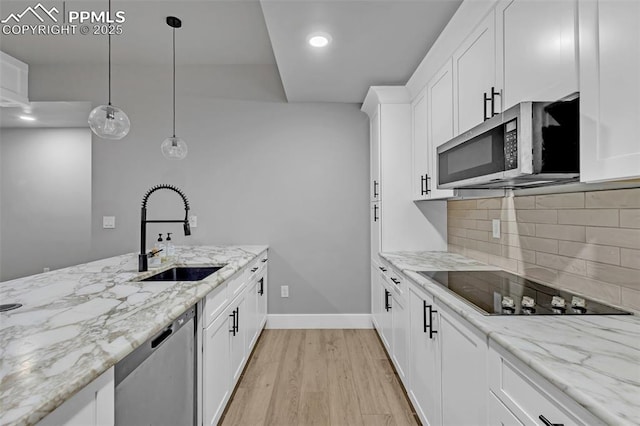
[(522, 203), (617, 199), (591, 217), (605, 254), (537, 216), (539, 244), (561, 232), (630, 258), (630, 218), (574, 200), (619, 237), (626, 277), (489, 203), (630, 298), (587, 242), (562, 263)]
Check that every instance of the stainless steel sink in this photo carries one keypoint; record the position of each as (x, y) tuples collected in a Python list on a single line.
[(184, 273)]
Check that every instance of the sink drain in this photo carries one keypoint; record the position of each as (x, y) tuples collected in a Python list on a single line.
[(9, 307)]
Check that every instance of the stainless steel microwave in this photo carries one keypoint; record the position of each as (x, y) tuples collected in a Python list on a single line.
[(531, 144)]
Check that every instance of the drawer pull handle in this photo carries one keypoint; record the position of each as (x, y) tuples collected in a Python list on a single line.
[(254, 269), (547, 422), (396, 282), (382, 269)]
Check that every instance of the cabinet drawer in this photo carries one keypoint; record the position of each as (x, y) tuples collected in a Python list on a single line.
[(524, 395), (215, 302)]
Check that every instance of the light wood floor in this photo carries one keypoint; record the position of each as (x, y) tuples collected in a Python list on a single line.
[(319, 377)]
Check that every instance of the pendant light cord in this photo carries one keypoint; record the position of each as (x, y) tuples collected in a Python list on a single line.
[(109, 38), (174, 82)]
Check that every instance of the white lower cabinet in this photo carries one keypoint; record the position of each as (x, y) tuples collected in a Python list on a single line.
[(216, 360), (229, 338), (448, 365), (463, 365), (399, 332), (94, 405), (424, 360), (526, 396)]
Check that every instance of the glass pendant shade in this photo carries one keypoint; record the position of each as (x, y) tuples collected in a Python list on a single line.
[(109, 122), (174, 148)]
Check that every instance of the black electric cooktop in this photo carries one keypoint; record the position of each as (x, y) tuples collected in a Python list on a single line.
[(502, 293)]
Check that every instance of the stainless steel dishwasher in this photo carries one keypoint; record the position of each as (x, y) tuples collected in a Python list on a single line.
[(155, 384)]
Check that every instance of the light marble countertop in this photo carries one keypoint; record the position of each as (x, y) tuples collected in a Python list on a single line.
[(77, 322), (595, 360)]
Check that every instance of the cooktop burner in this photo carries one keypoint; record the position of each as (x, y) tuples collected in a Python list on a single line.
[(503, 293)]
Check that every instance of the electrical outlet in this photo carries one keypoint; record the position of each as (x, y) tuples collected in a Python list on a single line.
[(495, 223), (108, 222), (193, 221), (284, 291), (46, 269)]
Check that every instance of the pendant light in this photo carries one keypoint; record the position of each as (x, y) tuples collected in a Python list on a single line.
[(174, 148), (108, 121)]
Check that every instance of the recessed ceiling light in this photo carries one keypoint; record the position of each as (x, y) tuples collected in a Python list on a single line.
[(27, 118), (319, 40)]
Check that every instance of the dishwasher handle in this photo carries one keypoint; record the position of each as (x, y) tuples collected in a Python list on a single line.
[(162, 337)]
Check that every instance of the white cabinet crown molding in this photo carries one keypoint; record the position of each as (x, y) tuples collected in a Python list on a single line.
[(384, 95)]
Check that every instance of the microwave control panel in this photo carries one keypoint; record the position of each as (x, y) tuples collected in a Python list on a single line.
[(511, 145)]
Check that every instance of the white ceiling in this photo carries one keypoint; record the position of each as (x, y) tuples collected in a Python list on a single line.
[(375, 42)]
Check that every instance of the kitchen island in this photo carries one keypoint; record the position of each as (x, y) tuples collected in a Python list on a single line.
[(591, 360), (77, 322)]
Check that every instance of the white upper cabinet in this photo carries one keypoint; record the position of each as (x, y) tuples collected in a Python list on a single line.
[(432, 120), (609, 90), (420, 144), (440, 123), (537, 50), (474, 74), (374, 131)]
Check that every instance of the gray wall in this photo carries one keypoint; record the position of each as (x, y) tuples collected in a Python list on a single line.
[(293, 176), (45, 187)]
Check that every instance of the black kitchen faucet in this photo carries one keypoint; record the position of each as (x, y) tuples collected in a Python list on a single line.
[(143, 256)]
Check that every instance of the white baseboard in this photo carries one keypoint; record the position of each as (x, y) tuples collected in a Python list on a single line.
[(275, 321)]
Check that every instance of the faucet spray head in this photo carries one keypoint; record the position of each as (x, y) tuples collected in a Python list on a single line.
[(187, 228)]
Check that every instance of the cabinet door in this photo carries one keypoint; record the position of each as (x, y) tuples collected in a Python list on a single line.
[(238, 345), (424, 360), (400, 331), (376, 229), (420, 145), (251, 316), (539, 50), (215, 369), (262, 300), (440, 123), (609, 90), (374, 134), (474, 75), (376, 296), (498, 414), (93, 405), (386, 318), (463, 368)]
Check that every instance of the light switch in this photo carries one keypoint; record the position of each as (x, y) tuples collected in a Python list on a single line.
[(284, 291), (108, 222)]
